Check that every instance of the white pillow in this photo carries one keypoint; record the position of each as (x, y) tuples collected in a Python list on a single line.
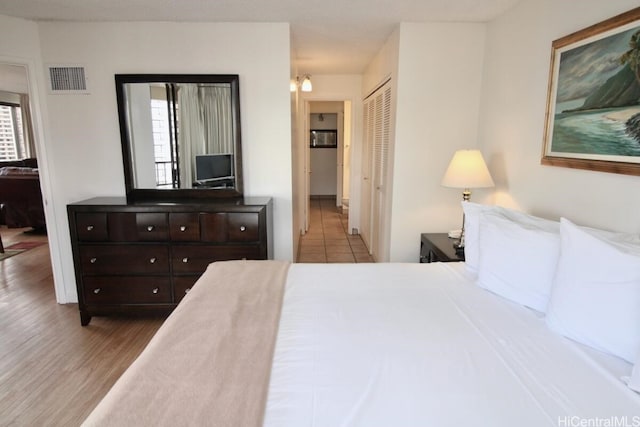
[(518, 256), (595, 299), (472, 213)]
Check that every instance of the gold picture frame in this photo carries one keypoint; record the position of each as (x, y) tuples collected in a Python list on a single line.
[(592, 118)]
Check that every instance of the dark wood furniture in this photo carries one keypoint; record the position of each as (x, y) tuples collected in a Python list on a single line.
[(20, 194), (438, 247), (144, 257)]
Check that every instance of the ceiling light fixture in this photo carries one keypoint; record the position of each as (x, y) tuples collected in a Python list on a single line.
[(306, 85)]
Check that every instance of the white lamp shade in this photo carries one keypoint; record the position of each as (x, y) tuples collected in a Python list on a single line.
[(306, 84), (467, 169)]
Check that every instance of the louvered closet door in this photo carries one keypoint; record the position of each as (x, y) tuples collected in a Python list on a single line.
[(378, 124), (367, 182)]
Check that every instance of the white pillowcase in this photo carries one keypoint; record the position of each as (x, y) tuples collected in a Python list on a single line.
[(595, 299), (518, 255), (472, 213)]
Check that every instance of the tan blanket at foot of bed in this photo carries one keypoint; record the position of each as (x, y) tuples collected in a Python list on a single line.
[(209, 364)]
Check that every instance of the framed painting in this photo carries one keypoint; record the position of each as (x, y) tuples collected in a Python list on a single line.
[(321, 138), (593, 102)]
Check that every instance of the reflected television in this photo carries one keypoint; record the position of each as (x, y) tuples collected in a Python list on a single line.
[(214, 167)]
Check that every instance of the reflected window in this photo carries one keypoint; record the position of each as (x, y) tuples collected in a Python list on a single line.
[(160, 124)]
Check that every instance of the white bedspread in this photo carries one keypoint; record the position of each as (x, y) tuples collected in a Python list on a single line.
[(420, 345)]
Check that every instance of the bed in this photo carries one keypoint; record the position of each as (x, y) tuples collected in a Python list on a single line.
[(268, 343)]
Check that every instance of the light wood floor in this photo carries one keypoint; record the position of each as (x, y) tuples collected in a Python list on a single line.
[(327, 240), (52, 370)]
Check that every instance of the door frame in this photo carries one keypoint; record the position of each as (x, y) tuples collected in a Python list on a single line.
[(36, 84), (307, 153)]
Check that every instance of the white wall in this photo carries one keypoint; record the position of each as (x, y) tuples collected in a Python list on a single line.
[(13, 78), (138, 97), (438, 97), (83, 129), (20, 45), (512, 119), (383, 66), (323, 171)]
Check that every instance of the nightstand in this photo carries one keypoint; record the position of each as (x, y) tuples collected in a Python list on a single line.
[(438, 247)]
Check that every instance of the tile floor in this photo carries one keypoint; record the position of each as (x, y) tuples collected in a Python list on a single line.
[(327, 240)]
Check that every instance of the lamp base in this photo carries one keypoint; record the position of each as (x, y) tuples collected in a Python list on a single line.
[(459, 247), (458, 244)]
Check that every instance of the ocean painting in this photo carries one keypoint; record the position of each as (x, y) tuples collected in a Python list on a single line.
[(594, 99)]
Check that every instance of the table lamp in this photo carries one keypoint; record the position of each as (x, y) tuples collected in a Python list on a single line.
[(467, 170)]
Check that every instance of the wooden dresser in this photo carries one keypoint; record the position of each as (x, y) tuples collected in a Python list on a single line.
[(144, 257)]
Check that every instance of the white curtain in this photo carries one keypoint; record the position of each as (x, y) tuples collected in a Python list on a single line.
[(218, 119), (27, 126), (205, 125), (190, 132)]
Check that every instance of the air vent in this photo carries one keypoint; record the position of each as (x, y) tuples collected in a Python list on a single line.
[(67, 80)]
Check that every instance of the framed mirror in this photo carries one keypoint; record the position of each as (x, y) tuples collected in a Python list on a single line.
[(180, 135)]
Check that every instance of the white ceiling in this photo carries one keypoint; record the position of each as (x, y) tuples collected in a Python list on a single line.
[(328, 36)]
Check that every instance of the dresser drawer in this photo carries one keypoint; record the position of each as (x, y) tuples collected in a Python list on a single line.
[(184, 226), (196, 258), (243, 227), (230, 227), (91, 226), (182, 285), (119, 259), (138, 226), (127, 290)]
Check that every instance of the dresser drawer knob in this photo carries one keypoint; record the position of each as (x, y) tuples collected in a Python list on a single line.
[(93, 260), (89, 227), (150, 228), (96, 291), (152, 260), (185, 260), (155, 290), (183, 228), (186, 291), (243, 228)]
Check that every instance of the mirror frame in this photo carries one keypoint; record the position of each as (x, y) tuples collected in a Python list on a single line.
[(150, 194)]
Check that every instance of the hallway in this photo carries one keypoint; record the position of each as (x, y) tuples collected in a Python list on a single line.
[(327, 240)]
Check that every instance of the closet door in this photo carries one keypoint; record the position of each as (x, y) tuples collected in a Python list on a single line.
[(366, 184), (375, 192)]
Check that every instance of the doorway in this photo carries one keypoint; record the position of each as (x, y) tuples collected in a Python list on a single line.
[(328, 129), (22, 209)]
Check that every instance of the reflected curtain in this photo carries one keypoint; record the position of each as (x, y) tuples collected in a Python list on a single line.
[(218, 119), (205, 125), (27, 126), (190, 132)]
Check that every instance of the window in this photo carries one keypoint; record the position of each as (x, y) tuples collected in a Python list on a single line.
[(161, 142), (11, 138)]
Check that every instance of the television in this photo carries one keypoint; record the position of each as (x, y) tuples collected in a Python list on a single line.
[(214, 167)]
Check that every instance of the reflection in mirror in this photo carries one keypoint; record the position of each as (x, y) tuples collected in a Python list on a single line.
[(180, 132)]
